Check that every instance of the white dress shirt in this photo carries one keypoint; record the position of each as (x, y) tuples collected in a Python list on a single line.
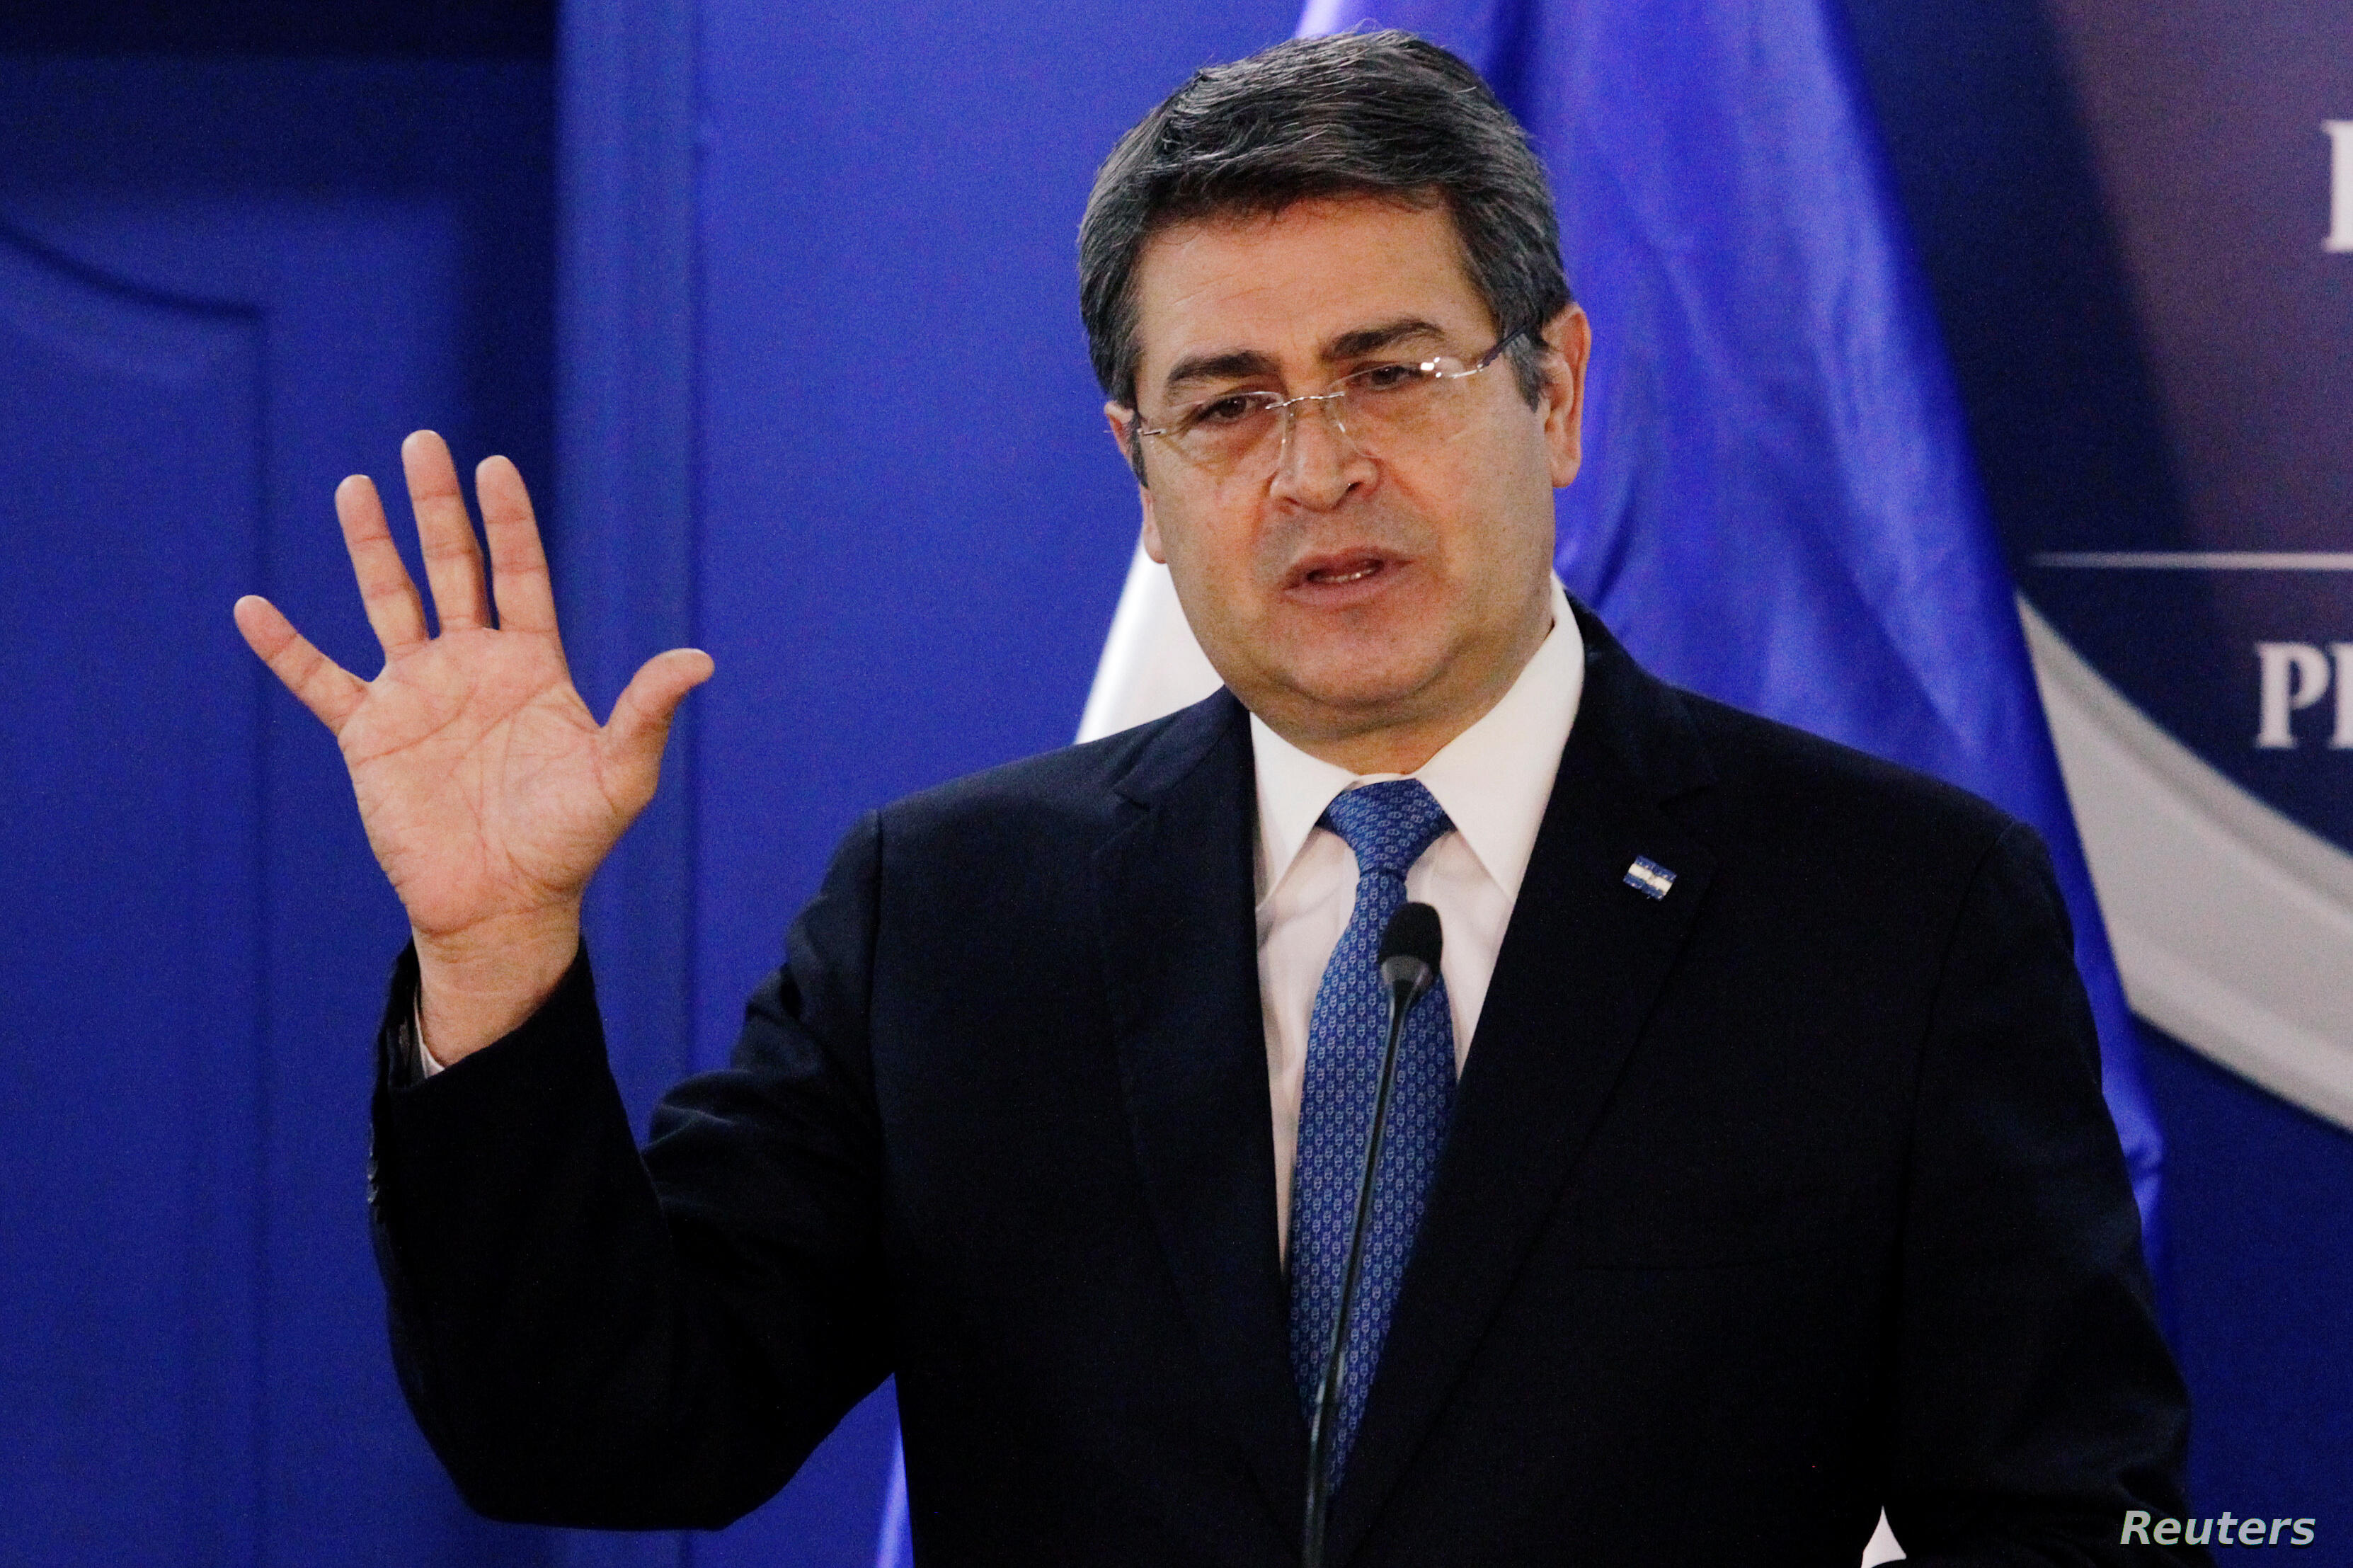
[(1492, 781)]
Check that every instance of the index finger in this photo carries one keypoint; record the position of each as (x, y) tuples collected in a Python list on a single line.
[(519, 580)]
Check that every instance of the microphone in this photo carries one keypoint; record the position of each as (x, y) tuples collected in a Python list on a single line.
[(1411, 944), (1409, 949)]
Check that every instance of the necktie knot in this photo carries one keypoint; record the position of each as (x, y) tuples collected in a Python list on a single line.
[(1386, 825)]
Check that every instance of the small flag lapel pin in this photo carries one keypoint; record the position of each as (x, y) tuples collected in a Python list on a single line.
[(1646, 876)]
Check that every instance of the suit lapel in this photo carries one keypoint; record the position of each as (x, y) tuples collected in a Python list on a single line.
[(1582, 963), (1175, 895)]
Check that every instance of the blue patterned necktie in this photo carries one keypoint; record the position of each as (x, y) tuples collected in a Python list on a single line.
[(1388, 826)]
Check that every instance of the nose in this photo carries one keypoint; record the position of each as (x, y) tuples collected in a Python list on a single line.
[(1319, 462)]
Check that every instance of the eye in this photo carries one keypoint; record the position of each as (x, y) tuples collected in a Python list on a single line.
[(1390, 377), (1230, 409)]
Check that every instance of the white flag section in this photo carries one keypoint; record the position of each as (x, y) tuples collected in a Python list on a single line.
[(1151, 665)]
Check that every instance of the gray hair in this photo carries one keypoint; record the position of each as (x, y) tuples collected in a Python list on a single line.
[(1377, 113)]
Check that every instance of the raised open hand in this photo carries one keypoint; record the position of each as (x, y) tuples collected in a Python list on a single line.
[(489, 792)]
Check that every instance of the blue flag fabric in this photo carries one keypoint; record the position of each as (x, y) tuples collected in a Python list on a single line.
[(1779, 506)]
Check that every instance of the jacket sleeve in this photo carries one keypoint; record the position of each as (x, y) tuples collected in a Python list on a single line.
[(2035, 1399), (593, 1336)]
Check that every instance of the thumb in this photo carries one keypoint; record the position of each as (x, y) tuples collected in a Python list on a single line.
[(640, 721)]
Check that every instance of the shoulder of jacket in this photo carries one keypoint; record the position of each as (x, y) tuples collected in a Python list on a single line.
[(1069, 788), (1795, 770)]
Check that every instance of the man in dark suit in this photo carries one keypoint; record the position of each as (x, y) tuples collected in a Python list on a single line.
[(1750, 1172)]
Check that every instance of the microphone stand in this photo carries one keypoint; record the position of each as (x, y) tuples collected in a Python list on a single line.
[(1408, 976)]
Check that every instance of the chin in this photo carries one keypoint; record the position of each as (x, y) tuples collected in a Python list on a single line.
[(1370, 689)]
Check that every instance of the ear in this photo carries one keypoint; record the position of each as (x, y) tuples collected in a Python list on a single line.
[(1123, 421), (1153, 545), (1569, 338)]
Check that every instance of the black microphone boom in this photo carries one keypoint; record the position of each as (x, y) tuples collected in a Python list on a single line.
[(1411, 944)]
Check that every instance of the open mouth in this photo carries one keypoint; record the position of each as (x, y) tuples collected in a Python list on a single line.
[(1342, 570)]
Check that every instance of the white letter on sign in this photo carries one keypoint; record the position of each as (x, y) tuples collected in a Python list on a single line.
[(2343, 653), (2296, 675), (2340, 184)]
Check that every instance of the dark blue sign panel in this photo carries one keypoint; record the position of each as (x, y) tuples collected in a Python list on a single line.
[(2198, 653)]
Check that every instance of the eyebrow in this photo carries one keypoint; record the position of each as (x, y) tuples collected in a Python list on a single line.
[(1231, 365), (1234, 364), (1387, 334)]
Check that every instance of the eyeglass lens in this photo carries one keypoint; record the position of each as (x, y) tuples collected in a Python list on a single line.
[(1385, 409)]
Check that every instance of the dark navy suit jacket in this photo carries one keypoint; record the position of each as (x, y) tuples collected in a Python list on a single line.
[(1784, 1196)]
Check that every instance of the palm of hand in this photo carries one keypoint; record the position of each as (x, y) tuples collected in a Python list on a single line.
[(481, 778), (489, 792)]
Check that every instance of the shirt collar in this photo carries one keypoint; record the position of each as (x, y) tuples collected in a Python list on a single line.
[(1493, 780)]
